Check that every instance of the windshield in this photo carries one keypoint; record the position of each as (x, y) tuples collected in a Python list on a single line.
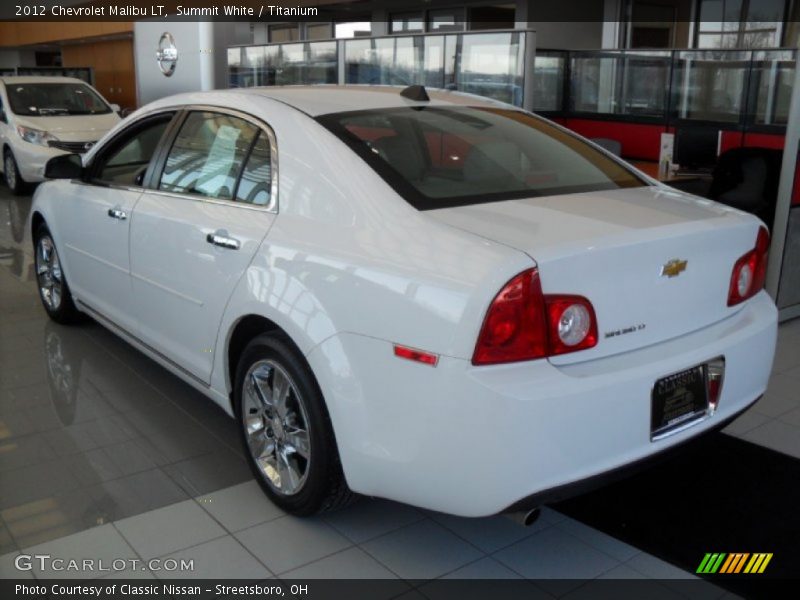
[(53, 99), (438, 157)]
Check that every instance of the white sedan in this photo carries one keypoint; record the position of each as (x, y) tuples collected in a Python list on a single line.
[(438, 299), (42, 117)]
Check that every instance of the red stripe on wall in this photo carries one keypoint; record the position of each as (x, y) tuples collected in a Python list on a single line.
[(796, 184), (640, 141), (764, 140), (730, 140)]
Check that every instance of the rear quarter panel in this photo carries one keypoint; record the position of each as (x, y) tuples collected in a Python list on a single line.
[(346, 254)]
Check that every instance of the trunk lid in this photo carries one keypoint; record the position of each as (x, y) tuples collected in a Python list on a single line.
[(612, 247)]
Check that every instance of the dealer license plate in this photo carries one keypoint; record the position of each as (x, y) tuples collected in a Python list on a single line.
[(679, 400)]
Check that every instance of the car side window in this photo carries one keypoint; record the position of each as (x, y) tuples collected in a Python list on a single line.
[(127, 159), (207, 155), (255, 183)]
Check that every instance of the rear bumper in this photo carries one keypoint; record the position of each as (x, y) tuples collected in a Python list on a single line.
[(475, 441), (576, 488)]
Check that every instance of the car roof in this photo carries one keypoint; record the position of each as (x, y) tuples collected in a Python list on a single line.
[(316, 100), (11, 79)]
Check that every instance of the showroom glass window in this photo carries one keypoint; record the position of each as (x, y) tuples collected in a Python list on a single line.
[(207, 155), (740, 23), (439, 157)]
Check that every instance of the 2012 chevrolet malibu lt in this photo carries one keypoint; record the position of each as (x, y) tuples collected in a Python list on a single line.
[(429, 297)]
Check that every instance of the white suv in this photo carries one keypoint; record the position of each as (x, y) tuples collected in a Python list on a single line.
[(41, 117)]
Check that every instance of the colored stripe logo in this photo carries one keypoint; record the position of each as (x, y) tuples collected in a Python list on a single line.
[(735, 562)]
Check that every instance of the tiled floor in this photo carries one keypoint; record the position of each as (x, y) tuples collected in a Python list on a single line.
[(105, 454)]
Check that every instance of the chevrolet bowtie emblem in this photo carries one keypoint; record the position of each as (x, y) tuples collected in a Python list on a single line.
[(674, 268)]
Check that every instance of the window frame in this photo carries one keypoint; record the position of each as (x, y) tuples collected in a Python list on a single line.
[(166, 147), (98, 161)]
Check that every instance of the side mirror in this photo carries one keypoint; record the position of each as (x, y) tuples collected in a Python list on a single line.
[(115, 107), (64, 166)]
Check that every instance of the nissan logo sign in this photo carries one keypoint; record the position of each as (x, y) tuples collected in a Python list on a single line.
[(167, 54)]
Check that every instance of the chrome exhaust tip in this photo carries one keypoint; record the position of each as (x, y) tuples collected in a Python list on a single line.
[(526, 518)]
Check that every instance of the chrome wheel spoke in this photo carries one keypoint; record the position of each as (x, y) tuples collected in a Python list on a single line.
[(297, 442), (48, 273), (288, 473), (261, 446), (280, 392), (276, 427), (260, 391)]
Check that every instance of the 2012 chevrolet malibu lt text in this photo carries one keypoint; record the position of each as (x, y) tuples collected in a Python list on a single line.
[(424, 296)]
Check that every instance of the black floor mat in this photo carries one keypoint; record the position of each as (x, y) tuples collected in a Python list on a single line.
[(721, 494)]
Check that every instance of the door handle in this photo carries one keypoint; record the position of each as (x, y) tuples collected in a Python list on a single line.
[(223, 240), (117, 213)]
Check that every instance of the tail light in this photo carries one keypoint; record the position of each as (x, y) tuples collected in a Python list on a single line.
[(750, 271), (523, 324)]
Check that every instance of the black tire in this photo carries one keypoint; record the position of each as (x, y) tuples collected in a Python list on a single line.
[(324, 487), (14, 181), (63, 311)]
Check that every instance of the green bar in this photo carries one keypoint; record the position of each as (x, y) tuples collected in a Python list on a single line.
[(703, 563), (718, 563)]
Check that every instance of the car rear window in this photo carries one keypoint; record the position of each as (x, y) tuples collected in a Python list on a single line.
[(437, 157)]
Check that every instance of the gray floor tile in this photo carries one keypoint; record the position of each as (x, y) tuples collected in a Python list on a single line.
[(222, 558), (781, 396), (555, 554), (655, 568), (777, 435), (550, 516), (748, 421), (622, 572), (352, 563), (24, 452), (288, 543), (209, 472), (7, 543), (424, 550), (135, 494), (52, 517), (369, 518), (599, 540), (240, 506), (101, 543), (488, 534), (37, 481), (792, 417), (484, 568), (169, 529)]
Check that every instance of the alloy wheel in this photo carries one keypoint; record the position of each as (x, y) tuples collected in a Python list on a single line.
[(48, 273), (10, 169), (276, 425)]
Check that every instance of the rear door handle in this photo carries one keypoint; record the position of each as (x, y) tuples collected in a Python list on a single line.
[(117, 213), (221, 238)]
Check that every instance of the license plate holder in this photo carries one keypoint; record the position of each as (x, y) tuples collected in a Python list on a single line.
[(678, 401)]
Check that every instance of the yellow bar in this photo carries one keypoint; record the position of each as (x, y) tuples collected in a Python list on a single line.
[(765, 563), (741, 562), (724, 568), (754, 560)]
